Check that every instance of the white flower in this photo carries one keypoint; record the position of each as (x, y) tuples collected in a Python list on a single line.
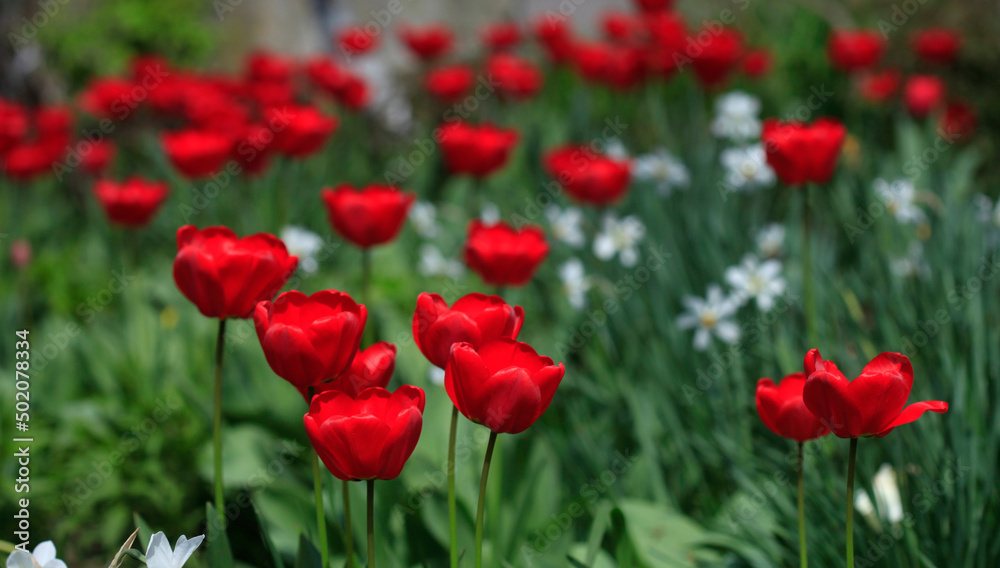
[(575, 282), (620, 237), (44, 555), (912, 265), (746, 167), (736, 117), (755, 279), (304, 244), (616, 150), (771, 240), (886, 490), (490, 213), (433, 263), (423, 217), (662, 168), (435, 375), (159, 554), (565, 225), (711, 315), (900, 200)]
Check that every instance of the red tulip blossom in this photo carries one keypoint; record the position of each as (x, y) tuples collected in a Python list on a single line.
[(302, 131), (475, 150), (110, 98), (716, 57), (131, 203), (54, 122), (958, 121), (13, 125), (855, 50), (31, 160), (372, 367), (197, 153), (803, 153), (149, 70), (264, 67), (879, 87), (623, 27), (225, 276), (370, 216), (475, 319), (937, 45), (617, 66), (427, 42), (450, 83), (870, 405), (369, 436), (650, 6), (504, 385), (757, 63), (356, 40), (587, 176), (513, 76), (667, 44), (923, 94), (254, 147), (556, 37), (504, 256), (95, 157), (782, 410), (501, 35), (310, 339)]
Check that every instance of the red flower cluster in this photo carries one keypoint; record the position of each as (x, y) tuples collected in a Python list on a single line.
[(427, 42), (801, 153)]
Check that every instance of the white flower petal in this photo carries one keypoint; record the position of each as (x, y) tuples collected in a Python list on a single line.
[(20, 559), (702, 339), (727, 331), (185, 548), (44, 552)]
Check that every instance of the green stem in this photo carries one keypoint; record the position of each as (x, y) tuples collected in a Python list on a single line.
[(371, 523), (482, 499), (809, 292), (803, 557), (6, 547), (850, 502), (220, 505), (348, 532), (452, 501), (324, 547), (366, 284)]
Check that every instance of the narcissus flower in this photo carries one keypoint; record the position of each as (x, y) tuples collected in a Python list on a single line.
[(870, 405), (369, 216), (160, 555), (131, 203), (225, 276), (450, 83), (504, 256), (427, 42), (197, 153), (803, 153), (474, 319), (310, 339), (854, 50), (782, 410), (504, 385), (369, 436), (476, 150), (923, 94), (936, 45), (587, 176)]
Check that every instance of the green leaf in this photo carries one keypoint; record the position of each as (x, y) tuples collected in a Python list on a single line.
[(145, 533), (308, 556), (219, 553)]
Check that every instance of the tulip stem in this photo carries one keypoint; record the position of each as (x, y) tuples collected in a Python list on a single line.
[(850, 502), (371, 523), (220, 505), (803, 557), (482, 499), (809, 291), (366, 282), (452, 501), (324, 548), (348, 533)]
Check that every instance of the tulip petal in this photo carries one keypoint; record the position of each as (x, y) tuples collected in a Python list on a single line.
[(914, 411)]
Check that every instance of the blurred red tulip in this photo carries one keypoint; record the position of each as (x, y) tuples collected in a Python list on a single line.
[(131, 203), (923, 94), (427, 42), (514, 77), (782, 410), (196, 153), (372, 367), (654, 5), (716, 58), (504, 256), (476, 150), (450, 83), (556, 37), (54, 122), (880, 86), (310, 339), (369, 216), (264, 67), (587, 176), (854, 50), (757, 63), (95, 157), (504, 385), (13, 125), (668, 36), (302, 130), (958, 121), (148, 70), (254, 147), (369, 436), (31, 160), (474, 319), (225, 276), (356, 40), (803, 153), (501, 35), (870, 405), (623, 27), (937, 45), (110, 98)]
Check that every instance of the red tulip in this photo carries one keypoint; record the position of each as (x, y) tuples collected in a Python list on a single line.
[(54, 122), (310, 339), (150, 70), (370, 216), (782, 410), (95, 157), (369, 436), (131, 203), (356, 40), (450, 83), (556, 37), (870, 405), (958, 121), (372, 367), (923, 94), (514, 77), (879, 87), (196, 153), (303, 131), (254, 147), (668, 36), (13, 125), (854, 50), (504, 385), (501, 35), (715, 60), (654, 5), (618, 66), (937, 45), (263, 67), (588, 177), (504, 256), (801, 153), (110, 98), (622, 27), (757, 63), (26, 162), (225, 276), (270, 95), (427, 42), (475, 319), (475, 150)]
